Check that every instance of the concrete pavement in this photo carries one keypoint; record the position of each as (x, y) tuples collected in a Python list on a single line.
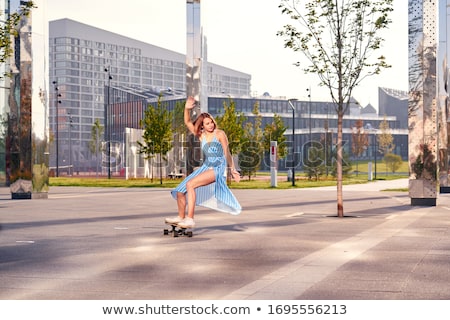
[(108, 243)]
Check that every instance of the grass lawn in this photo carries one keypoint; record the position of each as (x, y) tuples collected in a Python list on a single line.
[(260, 181)]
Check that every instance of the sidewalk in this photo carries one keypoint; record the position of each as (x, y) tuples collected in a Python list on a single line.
[(100, 243)]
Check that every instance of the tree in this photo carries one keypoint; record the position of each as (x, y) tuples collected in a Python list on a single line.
[(157, 136), (393, 161), (179, 133), (360, 140), (8, 29), (95, 144), (252, 146), (385, 140), (232, 123), (275, 132), (315, 166), (338, 38)]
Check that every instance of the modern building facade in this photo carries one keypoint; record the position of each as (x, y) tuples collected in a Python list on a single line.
[(314, 121), (84, 60)]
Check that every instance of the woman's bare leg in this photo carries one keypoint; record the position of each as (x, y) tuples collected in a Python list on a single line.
[(202, 179), (181, 202)]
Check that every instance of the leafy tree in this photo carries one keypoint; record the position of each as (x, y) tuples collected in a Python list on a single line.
[(346, 163), (232, 123), (8, 29), (179, 133), (316, 161), (338, 38), (95, 145), (424, 167), (157, 136), (360, 140), (252, 145), (3, 131), (385, 139), (275, 132), (393, 161)]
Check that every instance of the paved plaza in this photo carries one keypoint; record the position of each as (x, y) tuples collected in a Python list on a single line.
[(108, 243)]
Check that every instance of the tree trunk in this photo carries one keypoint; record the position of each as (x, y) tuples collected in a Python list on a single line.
[(160, 168), (340, 201)]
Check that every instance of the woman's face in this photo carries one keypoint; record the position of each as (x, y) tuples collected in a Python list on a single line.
[(208, 125)]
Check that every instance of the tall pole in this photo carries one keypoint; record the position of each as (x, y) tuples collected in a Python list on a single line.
[(376, 150), (326, 144), (293, 140), (309, 96), (70, 145), (57, 102), (107, 129), (194, 77)]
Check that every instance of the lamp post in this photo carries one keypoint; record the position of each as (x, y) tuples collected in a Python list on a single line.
[(309, 107), (107, 129), (70, 144), (293, 139), (374, 130), (376, 150), (326, 143), (57, 102)]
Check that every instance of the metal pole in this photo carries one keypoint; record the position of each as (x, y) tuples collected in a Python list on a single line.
[(293, 140), (376, 149), (70, 145), (107, 129), (309, 96), (57, 102), (326, 144)]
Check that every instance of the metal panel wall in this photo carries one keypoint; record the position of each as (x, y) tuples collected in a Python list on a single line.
[(27, 143), (422, 106), (443, 95), (193, 77)]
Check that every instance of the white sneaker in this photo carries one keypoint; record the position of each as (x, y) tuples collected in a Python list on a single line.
[(174, 220), (187, 223)]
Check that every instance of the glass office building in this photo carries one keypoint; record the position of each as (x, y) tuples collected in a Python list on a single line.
[(84, 60)]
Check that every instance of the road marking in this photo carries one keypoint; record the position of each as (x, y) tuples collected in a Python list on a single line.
[(292, 280), (295, 214)]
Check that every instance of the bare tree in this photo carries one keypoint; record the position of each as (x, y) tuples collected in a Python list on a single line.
[(338, 37)]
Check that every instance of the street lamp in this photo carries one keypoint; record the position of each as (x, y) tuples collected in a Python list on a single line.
[(57, 102), (374, 130), (293, 139), (309, 96), (107, 129), (70, 144), (376, 151)]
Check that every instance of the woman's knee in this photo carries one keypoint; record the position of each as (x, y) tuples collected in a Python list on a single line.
[(181, 196)]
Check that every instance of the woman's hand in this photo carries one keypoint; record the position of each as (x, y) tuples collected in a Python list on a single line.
[(190, 103), (236, 176)]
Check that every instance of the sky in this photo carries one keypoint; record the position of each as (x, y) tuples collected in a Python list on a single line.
[(241, 35)]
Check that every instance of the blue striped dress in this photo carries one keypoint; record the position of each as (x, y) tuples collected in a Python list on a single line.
[(217, 195)]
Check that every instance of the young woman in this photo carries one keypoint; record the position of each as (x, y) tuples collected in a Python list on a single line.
[(207, 185)]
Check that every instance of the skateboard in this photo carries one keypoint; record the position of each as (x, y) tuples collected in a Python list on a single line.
[(177, 231)]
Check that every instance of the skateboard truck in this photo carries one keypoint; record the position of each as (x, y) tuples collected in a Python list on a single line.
[(177, 231)]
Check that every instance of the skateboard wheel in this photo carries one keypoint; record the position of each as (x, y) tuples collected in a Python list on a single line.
[(166, 232), (175, 234), (189, 234)]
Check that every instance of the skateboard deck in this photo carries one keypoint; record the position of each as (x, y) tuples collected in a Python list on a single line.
[(177, 231)]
